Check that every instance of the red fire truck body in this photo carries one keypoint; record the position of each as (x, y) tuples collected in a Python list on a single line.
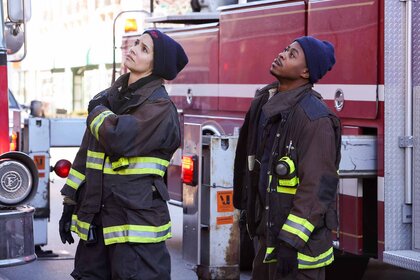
[(230, 59)]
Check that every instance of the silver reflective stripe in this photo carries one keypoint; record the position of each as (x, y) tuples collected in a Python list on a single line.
[(99, 161), (140, 165), (299, 227), (134, 233), (79, 227), (75, 179)]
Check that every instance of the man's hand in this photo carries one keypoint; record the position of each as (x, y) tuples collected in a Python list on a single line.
[(100, 100), (287, 262), (65, 224)]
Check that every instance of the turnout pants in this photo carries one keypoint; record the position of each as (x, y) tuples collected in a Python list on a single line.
[(121, 261)]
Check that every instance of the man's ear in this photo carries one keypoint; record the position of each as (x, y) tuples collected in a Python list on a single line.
[(305, 73)]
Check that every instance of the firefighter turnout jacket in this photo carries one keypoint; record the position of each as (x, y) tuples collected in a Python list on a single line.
[(118, 171), (298, 205)]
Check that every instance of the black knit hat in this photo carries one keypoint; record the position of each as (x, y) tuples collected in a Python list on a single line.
[(319, 56), (169, 57)]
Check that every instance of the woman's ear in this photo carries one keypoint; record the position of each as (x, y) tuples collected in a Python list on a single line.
[(305, 73)]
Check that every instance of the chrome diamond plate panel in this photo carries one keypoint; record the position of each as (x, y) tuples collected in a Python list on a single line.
[(405, 258), (397, 234), (416, 123), (416, 44), (416, 168)]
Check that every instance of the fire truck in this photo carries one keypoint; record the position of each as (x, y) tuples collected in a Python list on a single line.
[(372, 88)]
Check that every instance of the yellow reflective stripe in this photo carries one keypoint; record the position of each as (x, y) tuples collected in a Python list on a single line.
[(75, 179), (94, 165), (289, 182), (137, 233), (72, 184), (268, 258), (95, 160), (95, 154), (79, 227), (148, 160), (298, 226), (120, 163), (301, 221), (286, 190), (97, 122), (308, 262), (139, 165), (295, 231), (77, 174), (136, 171)]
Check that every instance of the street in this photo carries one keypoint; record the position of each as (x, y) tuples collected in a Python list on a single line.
[(53, 268)]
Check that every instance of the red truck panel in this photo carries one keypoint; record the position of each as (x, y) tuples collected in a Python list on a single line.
[(4, 106), (353, 27)]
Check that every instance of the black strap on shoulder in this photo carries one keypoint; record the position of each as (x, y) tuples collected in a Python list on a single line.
[(313, 107)]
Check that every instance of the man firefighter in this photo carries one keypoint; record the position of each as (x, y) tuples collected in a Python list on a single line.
[(115, 196), (286, 165)]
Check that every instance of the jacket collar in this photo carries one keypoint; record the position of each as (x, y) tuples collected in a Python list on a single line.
[(283, 101), (138, 96)]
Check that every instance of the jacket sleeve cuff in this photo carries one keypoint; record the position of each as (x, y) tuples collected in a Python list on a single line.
[(296, 231), (73, 182), (96, 118)]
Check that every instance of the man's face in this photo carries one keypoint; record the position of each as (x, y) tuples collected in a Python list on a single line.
[(290, 64), (140, 56)]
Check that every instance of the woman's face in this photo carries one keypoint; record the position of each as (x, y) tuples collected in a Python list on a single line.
[(139, 59)]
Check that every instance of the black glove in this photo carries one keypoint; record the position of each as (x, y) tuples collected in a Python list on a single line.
[(287, 262), (99, 100), (65, 224)]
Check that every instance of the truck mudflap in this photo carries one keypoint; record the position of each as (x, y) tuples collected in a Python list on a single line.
[(17, 238)]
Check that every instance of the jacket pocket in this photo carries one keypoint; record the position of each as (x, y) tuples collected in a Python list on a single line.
[(134, 194), (162, 188), (331, 219)]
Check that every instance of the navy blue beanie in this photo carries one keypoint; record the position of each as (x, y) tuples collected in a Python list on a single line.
[(169, 57), (319, 56)]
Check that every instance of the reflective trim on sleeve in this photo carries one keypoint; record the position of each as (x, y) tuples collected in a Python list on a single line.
[(139, 166), (136, 233), (95, 160), (75, 179), (308, 262), (97, 122), (298, 226), (79, 227)]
